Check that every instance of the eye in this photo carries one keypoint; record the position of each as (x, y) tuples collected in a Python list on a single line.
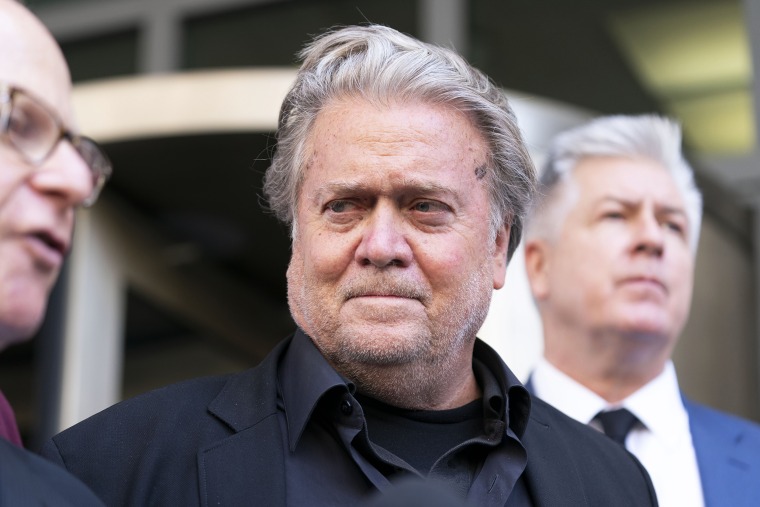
[(338, 206), (429, 207), (21, 125), (342, 211), (431, 213), (676, 227), (613, 215)]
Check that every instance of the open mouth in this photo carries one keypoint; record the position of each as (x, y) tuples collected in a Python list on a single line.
[(46, 248), (50, 241)]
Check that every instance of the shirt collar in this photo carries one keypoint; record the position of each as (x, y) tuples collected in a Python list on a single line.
[(305, 376), (506, 386), (658, 404), (558, 389)]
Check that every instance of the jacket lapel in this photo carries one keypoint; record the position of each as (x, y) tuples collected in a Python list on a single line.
[(549, 480), (248, 467)]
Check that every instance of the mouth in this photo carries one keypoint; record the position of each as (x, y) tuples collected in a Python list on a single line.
[(48, 248), (384, 292), (374, 298), (51, 241), (645, 281), (380, 295)]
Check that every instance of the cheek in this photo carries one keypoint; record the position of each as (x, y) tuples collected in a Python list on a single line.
[(326, 256), (8, 183), (583, 273), (24, 289), (447, 263), (683, 281)]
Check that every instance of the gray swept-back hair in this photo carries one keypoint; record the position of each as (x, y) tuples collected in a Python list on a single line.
[(380, 64), (649, 136)]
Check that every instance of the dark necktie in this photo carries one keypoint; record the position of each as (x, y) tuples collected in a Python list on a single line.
[(617, 423)]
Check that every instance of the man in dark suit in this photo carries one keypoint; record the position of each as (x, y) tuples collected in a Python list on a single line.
[(404, 178), (609, 253), (46, 172)]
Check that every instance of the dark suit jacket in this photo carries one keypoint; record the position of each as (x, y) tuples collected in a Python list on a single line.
[(217, 441), (28, 480), (728, 455)]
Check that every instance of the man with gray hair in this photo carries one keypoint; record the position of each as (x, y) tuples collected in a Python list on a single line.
[(404, 178), (609, 253)]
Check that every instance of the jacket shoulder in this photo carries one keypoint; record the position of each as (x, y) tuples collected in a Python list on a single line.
[(29, 480), (163, 407), (145, 450), (721, 421)]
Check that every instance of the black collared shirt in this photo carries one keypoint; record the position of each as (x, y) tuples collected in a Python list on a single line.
[(330, 458)]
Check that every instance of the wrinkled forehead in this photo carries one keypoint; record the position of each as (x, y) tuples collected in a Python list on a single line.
[(632, 178), (31, 59)]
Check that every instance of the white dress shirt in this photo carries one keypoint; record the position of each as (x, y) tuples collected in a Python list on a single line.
[(662, 442)]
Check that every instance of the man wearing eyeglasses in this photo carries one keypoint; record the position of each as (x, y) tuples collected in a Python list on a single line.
[(46, 172)]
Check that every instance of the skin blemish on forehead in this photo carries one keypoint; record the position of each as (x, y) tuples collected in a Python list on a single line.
[(480, 172)]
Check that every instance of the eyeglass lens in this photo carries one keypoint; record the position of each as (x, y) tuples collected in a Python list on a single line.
[(31, 129), (35, 132)]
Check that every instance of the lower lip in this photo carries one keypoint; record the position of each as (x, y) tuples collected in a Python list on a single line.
[(382, 299), (42, 253), (383, 296), (645, 285)]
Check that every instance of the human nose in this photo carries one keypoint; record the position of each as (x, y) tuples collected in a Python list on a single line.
[(383, 241), (649, 236), (64, 175)]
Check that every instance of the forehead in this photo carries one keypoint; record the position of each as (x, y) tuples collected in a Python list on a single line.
[(634, 179), (395, 118), (411, 135), (362, 147), (31, 59)]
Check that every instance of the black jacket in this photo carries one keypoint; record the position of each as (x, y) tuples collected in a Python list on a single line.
[(217, 441), (28, 480)]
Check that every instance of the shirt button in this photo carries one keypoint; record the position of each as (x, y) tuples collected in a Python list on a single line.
[(346, 407)]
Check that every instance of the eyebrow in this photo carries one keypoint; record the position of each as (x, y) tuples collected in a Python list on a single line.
[(407, 186), (628, 203), (411, 184)]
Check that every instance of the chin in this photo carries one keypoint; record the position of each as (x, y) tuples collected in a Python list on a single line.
[(19, 325), (382, 347), (646, 330), (10, 335)]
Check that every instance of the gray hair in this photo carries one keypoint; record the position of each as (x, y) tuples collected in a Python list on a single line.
[(648, 136), (380, 64)]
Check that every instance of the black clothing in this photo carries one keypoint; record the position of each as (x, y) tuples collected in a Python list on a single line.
[(30, 481), (230, 441), (326, 423), (617, 423)]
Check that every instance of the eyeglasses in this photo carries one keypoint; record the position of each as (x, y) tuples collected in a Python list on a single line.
[(35, 131)]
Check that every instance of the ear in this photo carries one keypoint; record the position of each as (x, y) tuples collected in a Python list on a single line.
[(500, 256), (537, 267)]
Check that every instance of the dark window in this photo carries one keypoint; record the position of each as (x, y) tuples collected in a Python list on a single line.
[(273, 34)]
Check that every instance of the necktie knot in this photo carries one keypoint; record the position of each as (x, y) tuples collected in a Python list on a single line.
[(617, 423)]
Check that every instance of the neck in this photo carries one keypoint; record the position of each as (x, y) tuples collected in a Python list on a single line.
[(613, 365), (438, 386)]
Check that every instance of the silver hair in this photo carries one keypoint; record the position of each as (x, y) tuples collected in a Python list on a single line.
[(380, 64), (650, 136)]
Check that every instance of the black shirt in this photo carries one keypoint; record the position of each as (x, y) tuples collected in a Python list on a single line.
[(338, 454)]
